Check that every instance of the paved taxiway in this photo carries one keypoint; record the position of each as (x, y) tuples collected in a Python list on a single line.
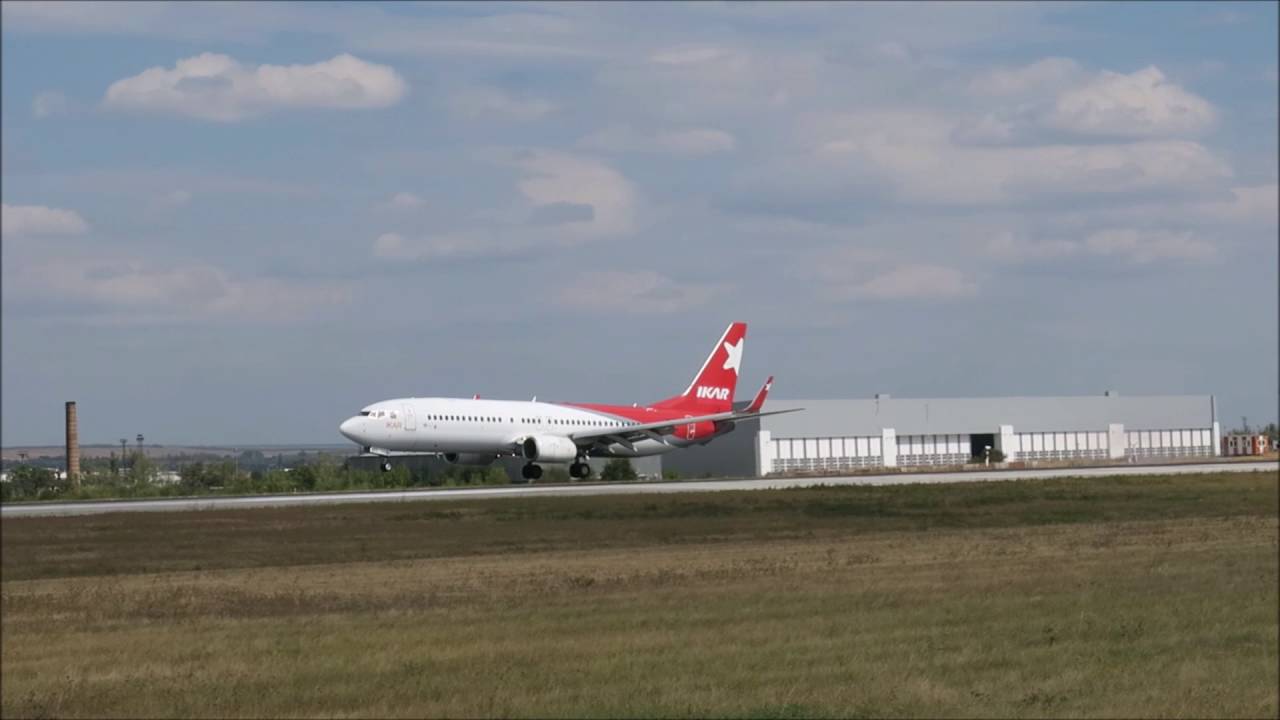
[(255, 501)]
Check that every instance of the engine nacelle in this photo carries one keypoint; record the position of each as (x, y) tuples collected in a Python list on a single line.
[(469, 458), (549, 448)]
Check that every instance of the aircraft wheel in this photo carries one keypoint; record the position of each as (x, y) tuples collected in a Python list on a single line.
[(386, 466), (531, 472), (579, 470)]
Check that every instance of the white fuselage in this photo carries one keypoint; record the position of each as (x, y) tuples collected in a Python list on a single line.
[(457, 425)]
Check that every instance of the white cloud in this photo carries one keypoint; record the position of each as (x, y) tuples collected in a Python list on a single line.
[(1147, 246), (687, 141), (989, 129), (518, 36), (217, 87), (159, 182), (914, 282), (563, 179), (450, 246), (698, 84), (50, 103), (857, 268), (688, 55), (1136, 246), (1140, 104), (487, 102), (566, 199), (402, 201), (93, 17), (41, 220), (894, 50), (176, 292), (165, 202), (1256, 204), (634, 293), (916, 154), (176, 198), (1010, 247), (1047, 74)]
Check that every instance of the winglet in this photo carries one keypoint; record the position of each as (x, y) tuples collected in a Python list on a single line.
[(758, 402)]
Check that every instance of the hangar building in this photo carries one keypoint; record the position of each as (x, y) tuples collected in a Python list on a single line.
[(833, 435)]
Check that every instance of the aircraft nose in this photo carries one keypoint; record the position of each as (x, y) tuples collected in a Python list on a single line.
[(352, 428)]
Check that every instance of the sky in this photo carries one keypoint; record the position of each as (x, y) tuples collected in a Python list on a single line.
[(239, 223)]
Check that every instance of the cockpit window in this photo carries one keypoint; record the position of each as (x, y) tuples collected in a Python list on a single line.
[(364, 413)]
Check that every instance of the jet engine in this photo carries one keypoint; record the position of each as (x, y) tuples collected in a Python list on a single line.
[(469, 458), (549, 448)]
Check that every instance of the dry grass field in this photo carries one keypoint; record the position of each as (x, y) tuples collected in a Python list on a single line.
[(1115, 597)]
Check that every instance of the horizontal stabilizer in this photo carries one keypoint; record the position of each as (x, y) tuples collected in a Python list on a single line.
[(647, 431)]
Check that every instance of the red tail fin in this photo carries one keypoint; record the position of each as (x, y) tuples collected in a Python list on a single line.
[(712, 388)]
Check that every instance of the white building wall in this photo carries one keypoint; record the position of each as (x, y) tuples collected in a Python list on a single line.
[(1117, 441), (764, 448), (1183, 442), (816, 454), (849, 434), (1068, 445), (945, 449)]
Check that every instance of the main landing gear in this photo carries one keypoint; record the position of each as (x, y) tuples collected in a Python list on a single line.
[(386, 466), (579, 470), (531, 472)]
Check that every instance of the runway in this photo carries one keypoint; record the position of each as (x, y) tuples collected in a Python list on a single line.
[(261, 501)]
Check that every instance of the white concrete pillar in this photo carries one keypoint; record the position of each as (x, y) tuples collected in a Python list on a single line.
[(764, 453), (1006, 441), (889, 447), (1117, 441)]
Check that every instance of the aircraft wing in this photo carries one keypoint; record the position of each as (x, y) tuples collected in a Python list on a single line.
[(629, 434)]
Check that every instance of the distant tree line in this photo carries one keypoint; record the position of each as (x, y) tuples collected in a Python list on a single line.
[(138, 477)]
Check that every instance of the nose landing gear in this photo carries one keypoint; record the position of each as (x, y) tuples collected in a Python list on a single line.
[(386, 466)]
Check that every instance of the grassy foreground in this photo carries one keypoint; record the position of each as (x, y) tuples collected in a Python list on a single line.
[(1152, 597)]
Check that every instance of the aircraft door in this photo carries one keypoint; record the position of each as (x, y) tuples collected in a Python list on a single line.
[(410, 421)]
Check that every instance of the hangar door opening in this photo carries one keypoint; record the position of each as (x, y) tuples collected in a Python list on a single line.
[(979, 443)]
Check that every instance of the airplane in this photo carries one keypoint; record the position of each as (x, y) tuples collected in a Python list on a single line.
[(476, 431)]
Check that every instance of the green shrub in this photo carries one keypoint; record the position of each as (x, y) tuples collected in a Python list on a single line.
[(554, 474), (29, 482), (618, 469)]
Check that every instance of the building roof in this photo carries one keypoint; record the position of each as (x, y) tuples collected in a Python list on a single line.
[(920, 416)]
